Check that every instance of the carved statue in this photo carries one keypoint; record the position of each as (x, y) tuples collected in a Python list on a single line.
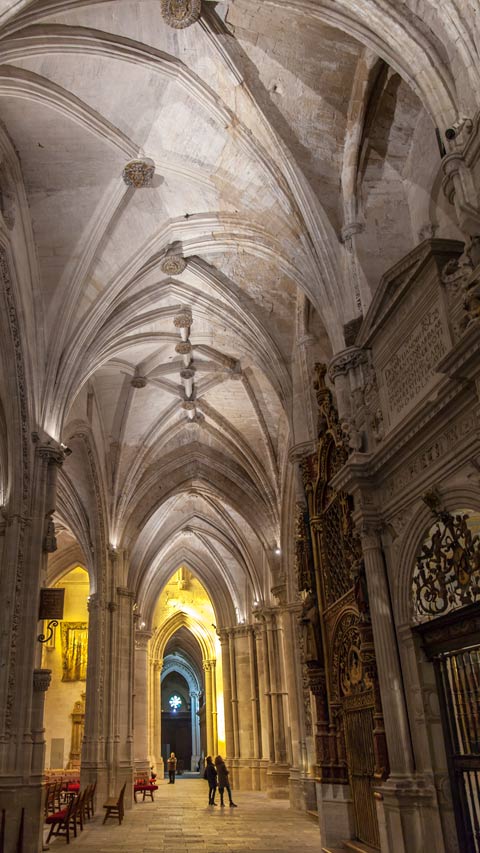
[(310, 620), (50, 540), (361, 591)]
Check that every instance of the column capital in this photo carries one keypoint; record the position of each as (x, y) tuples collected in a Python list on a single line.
[(297, 453), (346, 360), (142, 639), (41, 679)]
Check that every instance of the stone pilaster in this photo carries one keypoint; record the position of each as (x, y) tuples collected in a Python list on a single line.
[(156, 722), (141, 751), (227, 694), (22, 682)]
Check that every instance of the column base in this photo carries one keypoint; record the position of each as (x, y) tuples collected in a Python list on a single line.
[(303, 794), (335, 813), (409, 818), (14, 798), (278, 776)]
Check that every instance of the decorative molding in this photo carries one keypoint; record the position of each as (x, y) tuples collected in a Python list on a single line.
[(18, 366), (139, 173), (180, 14)]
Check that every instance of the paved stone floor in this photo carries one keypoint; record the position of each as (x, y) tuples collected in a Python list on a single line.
[(180, 822)]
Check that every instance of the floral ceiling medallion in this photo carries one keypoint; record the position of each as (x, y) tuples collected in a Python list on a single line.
[(181, 13), (139, 173), (173, 265)]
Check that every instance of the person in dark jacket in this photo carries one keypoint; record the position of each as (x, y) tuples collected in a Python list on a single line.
[(210, 775), (222, 776), (172, 766)]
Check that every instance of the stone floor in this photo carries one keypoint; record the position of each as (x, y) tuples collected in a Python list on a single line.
[(179, 821)]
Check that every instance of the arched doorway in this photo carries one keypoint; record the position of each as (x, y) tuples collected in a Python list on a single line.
[(185, 665), (445, 594), (65, 654)]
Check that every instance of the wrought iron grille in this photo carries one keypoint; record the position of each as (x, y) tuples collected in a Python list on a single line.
[(447, 571)]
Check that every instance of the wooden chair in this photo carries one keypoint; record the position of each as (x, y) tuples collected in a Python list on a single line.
[(60, 822), (89, 801), (114, 808)]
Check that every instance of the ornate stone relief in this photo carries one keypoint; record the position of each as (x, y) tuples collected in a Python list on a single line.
[(181, 13), (173, 265), (139, 173)]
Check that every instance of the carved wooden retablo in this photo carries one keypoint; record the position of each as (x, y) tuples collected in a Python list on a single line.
[(336, 637)]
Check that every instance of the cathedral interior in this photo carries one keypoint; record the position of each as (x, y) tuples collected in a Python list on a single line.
[(239, 399)]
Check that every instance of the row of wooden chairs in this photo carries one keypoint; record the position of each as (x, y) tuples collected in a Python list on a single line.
[(72, 817)]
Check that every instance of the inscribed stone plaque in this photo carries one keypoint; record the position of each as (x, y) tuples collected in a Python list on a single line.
[(51, 603), (410, 369)]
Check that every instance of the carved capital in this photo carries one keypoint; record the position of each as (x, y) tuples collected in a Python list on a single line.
[(183, 348), (142, 639), (41, 680), (350, 229), (346, 360)]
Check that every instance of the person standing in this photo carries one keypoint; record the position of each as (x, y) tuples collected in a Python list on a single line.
[(172, 766), (222, 775), (210, 775)]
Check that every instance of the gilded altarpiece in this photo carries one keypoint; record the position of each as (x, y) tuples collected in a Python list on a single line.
[(337, 642)]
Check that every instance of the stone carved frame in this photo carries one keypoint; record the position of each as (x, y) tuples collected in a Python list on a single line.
[(418, 674)]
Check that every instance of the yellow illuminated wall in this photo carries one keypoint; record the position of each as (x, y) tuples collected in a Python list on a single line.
[(185, 594), (61, 696)]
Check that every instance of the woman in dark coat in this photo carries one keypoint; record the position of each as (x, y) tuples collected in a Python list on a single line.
[(210, 775), (222, 774)]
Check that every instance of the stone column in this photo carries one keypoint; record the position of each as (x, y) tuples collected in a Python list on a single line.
[(233, 684), (278, 771), (41, 683), (141, 753), (386, 652), (253, 693), (26, 520), (195, 730), (121, 661), (264, 695), (209, 706), (156, 705), (227, 694)]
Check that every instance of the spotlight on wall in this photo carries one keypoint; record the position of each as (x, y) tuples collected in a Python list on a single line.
[(277, 550), (142, 624)]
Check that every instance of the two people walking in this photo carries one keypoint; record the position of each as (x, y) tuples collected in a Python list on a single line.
[(217, 774)]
